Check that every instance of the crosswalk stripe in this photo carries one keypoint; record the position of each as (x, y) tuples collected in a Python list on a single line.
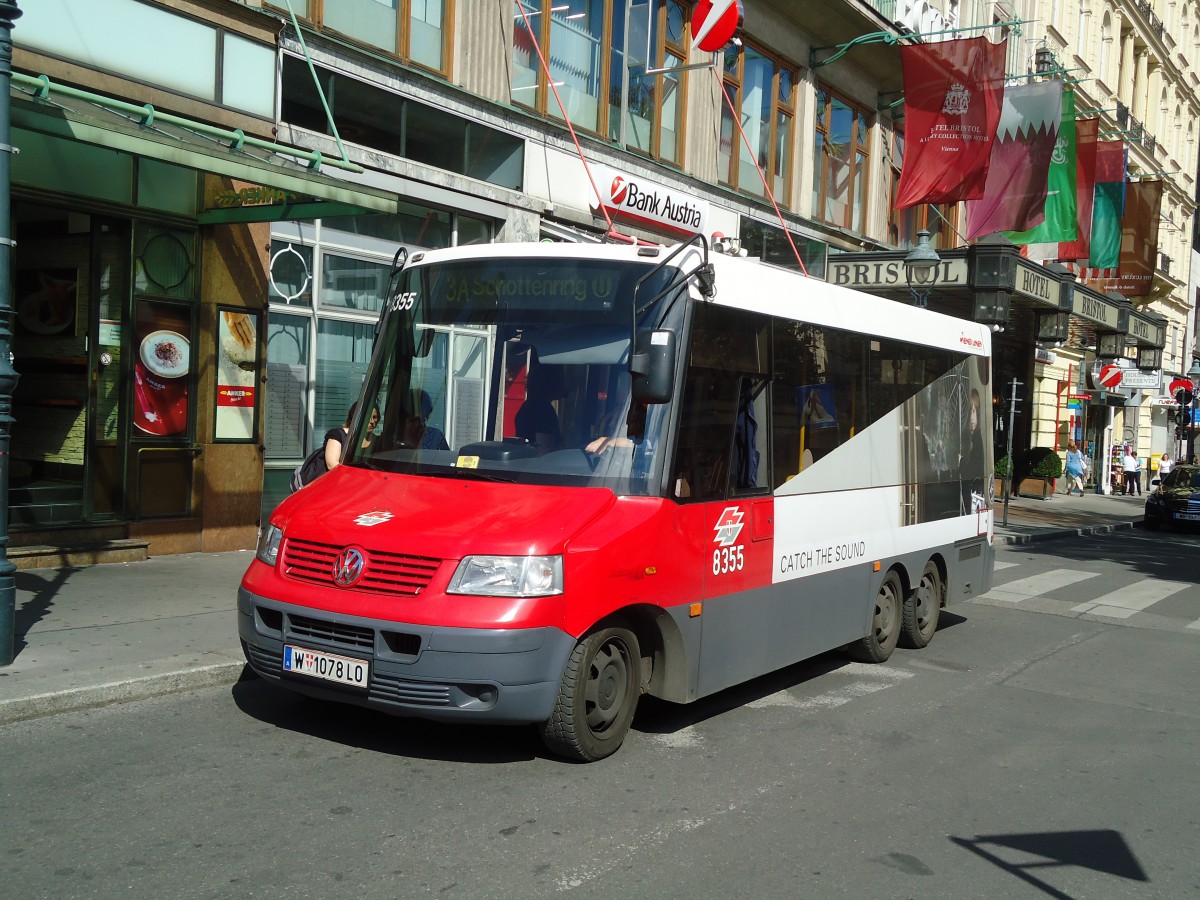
[(1004, 565), (1195, 625), (1132, 599), (1035, 585)]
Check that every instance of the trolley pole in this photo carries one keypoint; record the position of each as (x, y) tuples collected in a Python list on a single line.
[(8, 375)]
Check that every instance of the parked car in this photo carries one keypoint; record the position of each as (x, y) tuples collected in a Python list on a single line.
[(1175, 499)]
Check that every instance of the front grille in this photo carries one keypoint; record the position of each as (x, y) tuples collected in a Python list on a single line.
[(391, 689), (352, 637), (384, 572)]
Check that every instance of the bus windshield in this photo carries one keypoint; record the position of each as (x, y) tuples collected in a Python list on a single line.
[(517, 369)]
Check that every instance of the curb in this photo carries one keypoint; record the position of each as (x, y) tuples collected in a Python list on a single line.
[(1049, 535), (73, 700)]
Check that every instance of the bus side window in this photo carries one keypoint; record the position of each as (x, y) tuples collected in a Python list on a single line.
[(703, 457), (750, 437)]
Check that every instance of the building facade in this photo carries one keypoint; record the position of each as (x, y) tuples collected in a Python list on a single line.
[(210, 194)]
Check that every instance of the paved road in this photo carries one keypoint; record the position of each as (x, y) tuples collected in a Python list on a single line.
[(1030, 751)]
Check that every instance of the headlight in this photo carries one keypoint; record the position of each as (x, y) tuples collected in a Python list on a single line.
[(508, 576), (268, 544)]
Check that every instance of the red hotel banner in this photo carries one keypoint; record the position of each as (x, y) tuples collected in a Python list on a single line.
[(1014, 195), (952, 96)]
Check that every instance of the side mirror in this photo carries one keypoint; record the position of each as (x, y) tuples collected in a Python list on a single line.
[(653, 367)]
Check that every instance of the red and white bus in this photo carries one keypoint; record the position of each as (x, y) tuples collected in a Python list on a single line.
[(602, 471)]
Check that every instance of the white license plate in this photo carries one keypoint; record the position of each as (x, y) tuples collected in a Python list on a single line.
[(1190, 517), (342, 669)]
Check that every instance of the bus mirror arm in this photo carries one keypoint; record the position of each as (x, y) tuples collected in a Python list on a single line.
[(652, 366)]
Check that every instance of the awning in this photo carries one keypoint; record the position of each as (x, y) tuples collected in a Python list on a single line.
[(302, 192)]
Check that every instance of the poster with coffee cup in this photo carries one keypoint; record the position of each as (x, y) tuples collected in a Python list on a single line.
[(161, 372)]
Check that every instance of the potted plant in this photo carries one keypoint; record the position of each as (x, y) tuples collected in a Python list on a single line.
[(1036, 470), (1003, 470)]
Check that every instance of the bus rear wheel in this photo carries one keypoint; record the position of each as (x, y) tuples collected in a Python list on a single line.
[(880, 641), (597, 696), (922, 609)]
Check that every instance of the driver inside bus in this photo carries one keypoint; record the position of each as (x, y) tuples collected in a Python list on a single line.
[(537, 420), (417, 432)]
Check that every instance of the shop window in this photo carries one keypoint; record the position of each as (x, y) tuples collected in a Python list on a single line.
[(290, 277), (376, 117), (763, 90), (413, 226), (414, 30), (840, 163), (343, 352), (769, 243), (348, 283), (286, 406), (940, 220), (164, 262), (631, 92)]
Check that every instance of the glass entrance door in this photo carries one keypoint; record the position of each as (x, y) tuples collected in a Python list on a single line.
[(71, 285), (107, 363), (49, 345)]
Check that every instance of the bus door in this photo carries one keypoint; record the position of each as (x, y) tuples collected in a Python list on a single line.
[(720, 480)]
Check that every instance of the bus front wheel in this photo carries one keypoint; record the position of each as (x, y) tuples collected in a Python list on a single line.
[(922, 608), (880, 641), (597, 696)]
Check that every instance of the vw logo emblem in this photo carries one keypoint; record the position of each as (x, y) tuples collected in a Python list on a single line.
[(348, 567)]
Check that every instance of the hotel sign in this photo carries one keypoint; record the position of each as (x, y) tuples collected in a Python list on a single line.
[(1033, 282), (1145, 331), (889, 273), (1095, 309)]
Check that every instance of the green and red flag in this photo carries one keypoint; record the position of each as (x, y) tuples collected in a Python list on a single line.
[(1086, 131), (1108, 205)]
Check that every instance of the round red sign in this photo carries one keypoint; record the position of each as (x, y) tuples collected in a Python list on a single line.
[(1179, 384), (1110, 376), (714, 23)]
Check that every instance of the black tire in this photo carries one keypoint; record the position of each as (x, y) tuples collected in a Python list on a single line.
[(1150, 523), (880, 641), (597, 696), (923, 608)]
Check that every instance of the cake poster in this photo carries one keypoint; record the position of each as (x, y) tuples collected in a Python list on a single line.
[(237, 374)]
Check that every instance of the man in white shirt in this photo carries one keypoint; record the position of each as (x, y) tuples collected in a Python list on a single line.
[(1133, 478)]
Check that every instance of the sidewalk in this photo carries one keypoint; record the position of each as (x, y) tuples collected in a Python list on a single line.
[(125, 631)]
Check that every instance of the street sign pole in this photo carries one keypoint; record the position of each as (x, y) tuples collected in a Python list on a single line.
[(1013, 400)]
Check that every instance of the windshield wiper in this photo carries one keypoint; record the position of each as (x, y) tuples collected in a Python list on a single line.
[(463, 472)]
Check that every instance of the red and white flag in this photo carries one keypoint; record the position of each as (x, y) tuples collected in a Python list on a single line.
[(952, 96), (1014, 196)]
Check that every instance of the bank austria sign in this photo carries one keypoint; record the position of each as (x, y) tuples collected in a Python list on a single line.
[(635, 199)]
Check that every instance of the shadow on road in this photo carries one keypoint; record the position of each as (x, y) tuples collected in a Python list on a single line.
[(1101, 850)]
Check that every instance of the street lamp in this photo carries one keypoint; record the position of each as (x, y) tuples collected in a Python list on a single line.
[(921, 269)]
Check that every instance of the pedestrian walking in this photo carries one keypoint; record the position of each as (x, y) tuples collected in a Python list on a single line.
[(1075, 469), (1165, 465), (1131, 466)]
